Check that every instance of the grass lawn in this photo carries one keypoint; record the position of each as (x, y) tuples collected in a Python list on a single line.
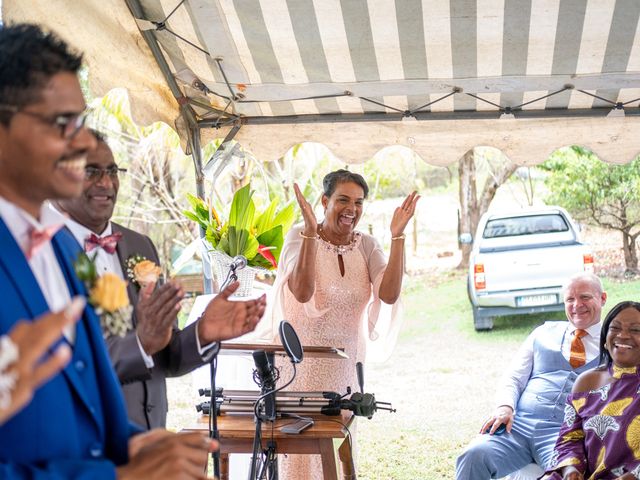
[(441, 378)]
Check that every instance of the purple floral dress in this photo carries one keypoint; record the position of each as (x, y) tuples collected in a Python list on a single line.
[(600, 435)]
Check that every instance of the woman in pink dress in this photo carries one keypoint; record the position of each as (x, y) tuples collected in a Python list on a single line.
[(328, 275)]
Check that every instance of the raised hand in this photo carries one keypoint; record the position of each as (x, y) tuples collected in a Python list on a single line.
[(403, 214), (156, 313), (310, 221), (160, 454), (224, 319), (32, 340)]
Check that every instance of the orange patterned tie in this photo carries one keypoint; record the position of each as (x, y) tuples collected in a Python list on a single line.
[(578, 356)]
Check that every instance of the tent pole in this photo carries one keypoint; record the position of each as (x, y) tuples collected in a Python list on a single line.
[(196, 155)]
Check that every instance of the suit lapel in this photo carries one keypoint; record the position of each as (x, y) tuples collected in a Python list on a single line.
[(19, 272), (124, 253), (66, 253)]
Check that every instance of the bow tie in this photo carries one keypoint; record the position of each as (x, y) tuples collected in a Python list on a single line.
[(39, 238), (108, 243)]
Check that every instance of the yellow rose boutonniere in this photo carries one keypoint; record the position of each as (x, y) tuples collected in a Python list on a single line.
[(142, 271), (110, 292), (108, 295)]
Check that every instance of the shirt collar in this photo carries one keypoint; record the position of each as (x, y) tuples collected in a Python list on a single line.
[(80, 232), (593, 330), (20, 222)]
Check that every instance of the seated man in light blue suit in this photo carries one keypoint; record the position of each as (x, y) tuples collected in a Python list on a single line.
[(76, 426), (531, 399)]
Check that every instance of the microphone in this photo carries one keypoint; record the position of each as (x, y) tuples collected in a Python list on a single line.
[(360, 374), (266, 381), (238, 262)]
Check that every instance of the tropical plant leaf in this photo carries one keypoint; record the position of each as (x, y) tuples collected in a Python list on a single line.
[(212, 236), (273, 238), (264, 221), (242, 209), (238, 242)]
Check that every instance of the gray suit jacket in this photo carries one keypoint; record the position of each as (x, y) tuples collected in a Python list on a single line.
[(144, 389)]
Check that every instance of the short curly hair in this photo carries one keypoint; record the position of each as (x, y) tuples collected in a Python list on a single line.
[(29, 57), (331, 180)]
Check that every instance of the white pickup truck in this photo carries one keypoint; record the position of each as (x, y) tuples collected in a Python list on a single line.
[(519, 262)]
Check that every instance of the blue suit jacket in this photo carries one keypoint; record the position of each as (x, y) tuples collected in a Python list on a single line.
[(76, 426)]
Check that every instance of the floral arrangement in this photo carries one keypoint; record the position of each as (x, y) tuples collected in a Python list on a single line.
[(142, 271), (107, 294), (256, 236)]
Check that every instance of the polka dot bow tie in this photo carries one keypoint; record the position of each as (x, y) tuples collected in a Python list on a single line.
[(107, 243)]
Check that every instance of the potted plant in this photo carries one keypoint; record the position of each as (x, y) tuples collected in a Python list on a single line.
[(257, 236)]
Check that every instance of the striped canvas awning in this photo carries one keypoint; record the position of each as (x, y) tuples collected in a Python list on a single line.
[(438, 76)]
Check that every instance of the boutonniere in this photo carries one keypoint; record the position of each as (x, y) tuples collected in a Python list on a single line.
[(107, 294), (142, 271)]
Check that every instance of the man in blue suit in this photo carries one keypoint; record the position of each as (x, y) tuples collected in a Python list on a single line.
[(76, 426)]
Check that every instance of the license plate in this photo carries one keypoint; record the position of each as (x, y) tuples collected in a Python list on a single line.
[(536, 300)]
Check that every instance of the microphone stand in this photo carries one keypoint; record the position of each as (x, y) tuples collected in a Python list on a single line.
[(214, 433), (269, 464)]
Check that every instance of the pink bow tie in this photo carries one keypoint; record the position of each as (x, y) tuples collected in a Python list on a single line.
[(108, 243), (39, 238)]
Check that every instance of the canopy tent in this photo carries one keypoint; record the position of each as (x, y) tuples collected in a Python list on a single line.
[(437, 76)]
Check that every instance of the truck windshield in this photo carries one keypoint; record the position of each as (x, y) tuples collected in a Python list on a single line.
[(529, 225)]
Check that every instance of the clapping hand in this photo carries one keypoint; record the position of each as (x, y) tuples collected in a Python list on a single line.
[(161, 454), (310, 221), (32, 340), (403, 214), (224, 319), (156, 313)]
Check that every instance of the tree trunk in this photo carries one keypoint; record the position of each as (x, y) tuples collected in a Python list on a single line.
[(472, 208), (469, 217), (630, 254)]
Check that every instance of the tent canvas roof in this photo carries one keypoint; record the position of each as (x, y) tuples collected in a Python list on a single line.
[(433, 75)]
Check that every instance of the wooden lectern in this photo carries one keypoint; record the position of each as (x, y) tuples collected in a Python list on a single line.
[(237, 430)]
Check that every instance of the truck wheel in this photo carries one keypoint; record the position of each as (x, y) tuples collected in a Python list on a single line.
[(481, 323)]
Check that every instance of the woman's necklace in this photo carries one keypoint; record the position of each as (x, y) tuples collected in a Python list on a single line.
[(337, 248)]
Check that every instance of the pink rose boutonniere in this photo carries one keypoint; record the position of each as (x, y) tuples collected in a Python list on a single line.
[(142, 271)]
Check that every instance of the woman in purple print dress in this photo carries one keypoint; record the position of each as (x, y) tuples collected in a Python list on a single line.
[(600, 436)]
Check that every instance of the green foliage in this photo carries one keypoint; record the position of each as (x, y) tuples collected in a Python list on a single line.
[(594, 191), (242, 209), (257, 237), (85, 268)]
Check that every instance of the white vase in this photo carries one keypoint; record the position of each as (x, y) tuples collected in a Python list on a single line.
[(220, 262)]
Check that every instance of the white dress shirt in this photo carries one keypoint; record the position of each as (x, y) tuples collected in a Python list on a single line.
[(515, 380), (105, 262), (43, 262)]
